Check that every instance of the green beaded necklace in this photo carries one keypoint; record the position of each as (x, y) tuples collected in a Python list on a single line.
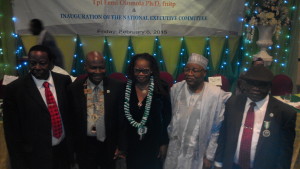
[(141, 128)]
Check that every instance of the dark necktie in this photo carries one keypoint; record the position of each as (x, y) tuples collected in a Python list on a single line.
[(53, 109), (245, 149)]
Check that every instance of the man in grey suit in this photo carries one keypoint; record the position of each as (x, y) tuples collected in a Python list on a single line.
[(46, 39)]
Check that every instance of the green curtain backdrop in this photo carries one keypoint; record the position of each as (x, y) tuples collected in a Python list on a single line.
[(173, 51)]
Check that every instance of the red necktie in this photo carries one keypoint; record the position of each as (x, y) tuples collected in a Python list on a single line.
[(53, 109), (245, 149)]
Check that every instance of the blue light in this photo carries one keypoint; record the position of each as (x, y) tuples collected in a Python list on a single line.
[(286, 2), (181, 53), (207, 68), (226, 37), (183, 64), (222, 67), (242, 48), (154, 54), (81, 61), (256, 12), (75, 56), (156, 39), (282, 64), (110, 59), (278, 46), (181, 39), (245, 69), (275, 60), (81, 44), (132, 53), (129, 47), (161, 61), (238, 63), (252, 26), (20, 48), (73, 70), (246, 25), (241, 19), (182, 50), (17, 67), (75, 39), (270, 47), (14, 19), (159, 47), (128, 61), (25, 63), (207, 48), (224, 63), (208, 53), (247, 4), (294, 7)]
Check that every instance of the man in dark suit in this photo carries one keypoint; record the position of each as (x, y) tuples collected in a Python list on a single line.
[(97, 107), (258, 131), (36, 116)]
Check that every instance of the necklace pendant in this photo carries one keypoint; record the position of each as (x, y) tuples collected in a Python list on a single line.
[(93, 130), (140, 104), (141, 131)]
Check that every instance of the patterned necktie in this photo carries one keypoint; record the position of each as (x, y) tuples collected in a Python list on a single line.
[(245, 149), (100, 124), (53, 109)]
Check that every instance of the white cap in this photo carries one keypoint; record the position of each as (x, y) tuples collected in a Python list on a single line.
[(198, 59)]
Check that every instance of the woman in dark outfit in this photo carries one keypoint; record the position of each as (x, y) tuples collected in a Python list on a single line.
[(148, 111)]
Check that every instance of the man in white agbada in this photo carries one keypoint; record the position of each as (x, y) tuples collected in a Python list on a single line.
[(197, 109)]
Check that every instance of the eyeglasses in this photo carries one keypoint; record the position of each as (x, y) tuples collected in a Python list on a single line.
[(144, 71), (194, 70)]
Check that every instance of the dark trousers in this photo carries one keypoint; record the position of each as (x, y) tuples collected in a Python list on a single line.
[(61, 156), (94, 155)]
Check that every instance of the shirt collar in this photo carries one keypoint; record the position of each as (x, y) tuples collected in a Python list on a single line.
[(91, 85), (39, 83), (259, 104)]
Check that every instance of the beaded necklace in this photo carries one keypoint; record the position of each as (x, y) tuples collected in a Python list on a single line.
[(141, 128)]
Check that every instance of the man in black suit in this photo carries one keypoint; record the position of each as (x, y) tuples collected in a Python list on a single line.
[(97, 104), (36, 116), (258, 131)]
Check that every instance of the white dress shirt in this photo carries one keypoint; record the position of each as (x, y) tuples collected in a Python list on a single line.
[(41, 88), (259, 115)]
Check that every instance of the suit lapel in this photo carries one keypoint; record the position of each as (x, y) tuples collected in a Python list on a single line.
[(268, 118), (33, 91), (59, 89), (240, 108), (106, 99)]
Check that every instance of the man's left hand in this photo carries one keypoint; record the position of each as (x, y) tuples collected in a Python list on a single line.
[(206, 163), (162, 152)]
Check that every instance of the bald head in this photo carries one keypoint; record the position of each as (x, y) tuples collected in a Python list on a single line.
[(95, 66)]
